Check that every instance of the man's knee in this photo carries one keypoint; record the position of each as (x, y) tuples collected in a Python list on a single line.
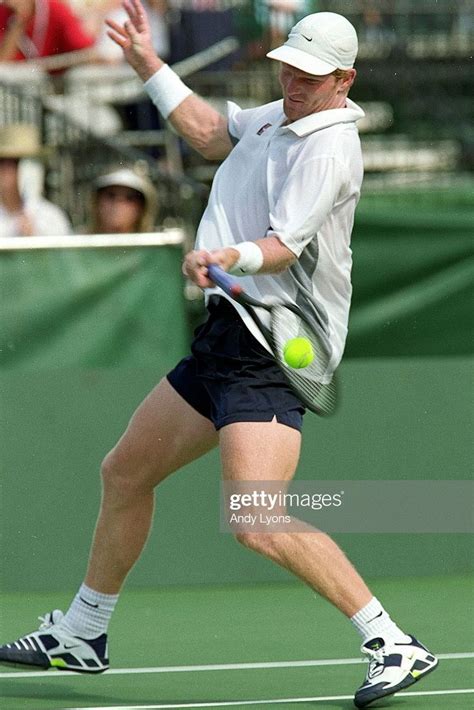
[(120, 472), (112, 470)]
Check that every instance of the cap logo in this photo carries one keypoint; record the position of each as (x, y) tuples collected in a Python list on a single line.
[(308, 39)]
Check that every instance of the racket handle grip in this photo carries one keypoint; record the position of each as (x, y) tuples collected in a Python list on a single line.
[(222, 279)]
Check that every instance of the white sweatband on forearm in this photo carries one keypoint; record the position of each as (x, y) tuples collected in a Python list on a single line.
[(166, 90), (250, 260)]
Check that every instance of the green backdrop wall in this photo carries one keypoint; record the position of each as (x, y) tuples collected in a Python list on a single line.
[(85, 335)]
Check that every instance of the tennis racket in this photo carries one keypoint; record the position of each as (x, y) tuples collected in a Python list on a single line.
[(314, 385)]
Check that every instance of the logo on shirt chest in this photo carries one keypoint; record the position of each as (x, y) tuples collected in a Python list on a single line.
[(263, 128)]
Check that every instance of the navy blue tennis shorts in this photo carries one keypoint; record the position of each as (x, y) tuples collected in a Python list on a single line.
[(230, 377)]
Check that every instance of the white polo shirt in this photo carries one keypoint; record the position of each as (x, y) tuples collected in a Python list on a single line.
[(300, 182)]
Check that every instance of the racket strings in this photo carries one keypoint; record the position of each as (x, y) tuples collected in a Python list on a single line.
[(315, 383)]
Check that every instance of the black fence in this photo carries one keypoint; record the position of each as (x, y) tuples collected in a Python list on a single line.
[(76, 157)]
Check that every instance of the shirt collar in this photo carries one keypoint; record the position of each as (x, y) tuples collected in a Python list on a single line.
[(323, 119)]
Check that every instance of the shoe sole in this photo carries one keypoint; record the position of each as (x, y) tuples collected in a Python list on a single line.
[(23, 666), (16, 664), (406, 682)]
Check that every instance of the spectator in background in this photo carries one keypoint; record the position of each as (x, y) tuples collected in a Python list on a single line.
[(281, 16), (36, 29), (373, 24), (197, 25), (22, 215), (156, 11), (139, 115), (91, 13), (375, 30), (123, 202)]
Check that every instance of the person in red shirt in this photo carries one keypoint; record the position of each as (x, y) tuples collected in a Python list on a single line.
[(33, 29)]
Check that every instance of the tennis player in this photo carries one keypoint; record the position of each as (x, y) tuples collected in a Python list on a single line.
[(280, 215)]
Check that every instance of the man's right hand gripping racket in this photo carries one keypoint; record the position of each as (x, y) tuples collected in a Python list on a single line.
[(314, 385)]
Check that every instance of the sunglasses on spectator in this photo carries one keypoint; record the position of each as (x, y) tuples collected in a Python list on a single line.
[(121, 195)]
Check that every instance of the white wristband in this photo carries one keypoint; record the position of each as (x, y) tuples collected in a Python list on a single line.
[(166, 90), (250, 260)]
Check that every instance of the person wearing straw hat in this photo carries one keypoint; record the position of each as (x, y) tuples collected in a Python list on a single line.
[(280, 216), (22, 214)]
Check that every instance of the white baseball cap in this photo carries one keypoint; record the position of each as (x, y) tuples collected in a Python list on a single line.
[(125, 177), (319, 44)]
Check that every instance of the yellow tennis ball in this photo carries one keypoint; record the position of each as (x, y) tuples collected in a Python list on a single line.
[(298, 353)]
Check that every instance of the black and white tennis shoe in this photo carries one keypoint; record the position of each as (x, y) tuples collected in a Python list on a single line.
[(392, 667), (53, 647)]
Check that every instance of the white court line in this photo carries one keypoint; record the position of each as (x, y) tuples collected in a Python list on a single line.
[(221, 667), (277, 701)]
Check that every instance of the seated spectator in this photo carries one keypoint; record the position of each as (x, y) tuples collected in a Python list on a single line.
[(156, 11), (139, 115), (375, 29), (36, 29), (279, 16), (123, 202), (197, 25), (23, 215), (91, 12)]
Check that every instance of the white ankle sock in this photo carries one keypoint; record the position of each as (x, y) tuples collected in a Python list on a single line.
[(372, 621), (90, 613)]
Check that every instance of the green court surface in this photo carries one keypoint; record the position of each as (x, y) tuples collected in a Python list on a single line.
[(269, 645)]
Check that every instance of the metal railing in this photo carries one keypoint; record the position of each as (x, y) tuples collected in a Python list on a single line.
[(77, 157)]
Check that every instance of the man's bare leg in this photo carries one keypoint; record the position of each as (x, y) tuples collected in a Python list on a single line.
[(164, 434), (259, 451)]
